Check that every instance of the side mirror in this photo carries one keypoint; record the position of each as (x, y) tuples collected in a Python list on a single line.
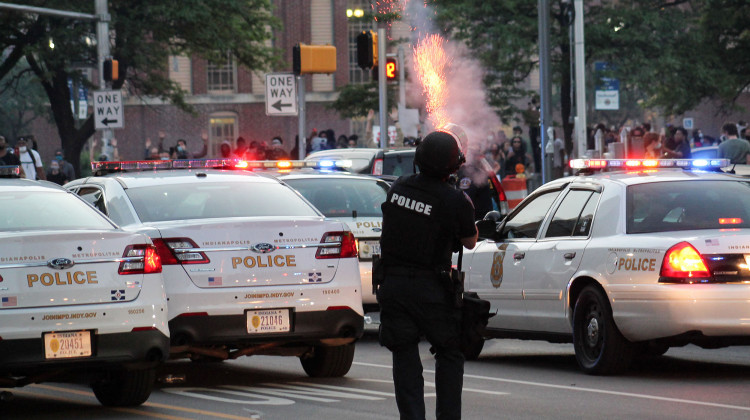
[(493, 215), (486, 229)]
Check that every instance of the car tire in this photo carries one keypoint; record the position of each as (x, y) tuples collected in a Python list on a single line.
[(328, 362), (125, 388), (600, 348)]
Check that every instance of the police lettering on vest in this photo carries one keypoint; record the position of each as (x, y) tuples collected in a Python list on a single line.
[(411, 204)]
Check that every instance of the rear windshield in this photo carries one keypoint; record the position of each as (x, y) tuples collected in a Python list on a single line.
[(48, 211), (336, 197), (398, 164), (215, 200), (687, 205)]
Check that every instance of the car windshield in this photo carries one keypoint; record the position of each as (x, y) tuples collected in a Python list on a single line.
[(398, 164), (47, 211), (688, 205), (160, 203), (336, 197)]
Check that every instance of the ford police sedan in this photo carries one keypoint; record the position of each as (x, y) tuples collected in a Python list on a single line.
[(81, 298), (355, 200), (623, 263), (249, 266)]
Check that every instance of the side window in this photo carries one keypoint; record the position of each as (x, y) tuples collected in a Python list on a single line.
[(583, 227), (525, 223), (94, 197), (566, 217)]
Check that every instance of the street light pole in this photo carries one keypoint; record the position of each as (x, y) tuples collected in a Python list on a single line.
[(102, 48)]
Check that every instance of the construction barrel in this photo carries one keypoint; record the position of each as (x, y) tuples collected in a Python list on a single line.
[(515, 190)]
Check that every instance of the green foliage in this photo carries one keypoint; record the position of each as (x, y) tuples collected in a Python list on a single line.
[(22, 100), (355, 100)]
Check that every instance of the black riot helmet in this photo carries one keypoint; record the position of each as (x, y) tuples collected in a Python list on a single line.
[(439, 155)]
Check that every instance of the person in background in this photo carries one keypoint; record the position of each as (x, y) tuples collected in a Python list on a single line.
[(678, 146), (30, 160), (7, 158), (517, 155), (241, 151), (352, 142), (65, 167), (225, 149), (342, 142), (55, 174), (276, 152), (652, 146), (733, 148)]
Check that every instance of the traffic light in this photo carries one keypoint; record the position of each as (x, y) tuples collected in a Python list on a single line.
[(307, 59), (391, 69), (367, 49), (111, 70)]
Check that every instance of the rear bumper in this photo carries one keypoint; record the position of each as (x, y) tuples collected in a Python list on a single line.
[(307, 328), (25, 356)]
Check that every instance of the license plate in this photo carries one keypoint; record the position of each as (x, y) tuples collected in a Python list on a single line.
[(63, 345), (368, 248), (268, 321)]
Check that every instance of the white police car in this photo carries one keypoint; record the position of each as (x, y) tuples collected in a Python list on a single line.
[(81, 298), (621, 263), (250, 267), (355, 200)]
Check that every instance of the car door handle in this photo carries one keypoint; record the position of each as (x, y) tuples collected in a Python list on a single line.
[(519, 255), (569, 255)]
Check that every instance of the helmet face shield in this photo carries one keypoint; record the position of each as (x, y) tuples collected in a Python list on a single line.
[(439, 154)]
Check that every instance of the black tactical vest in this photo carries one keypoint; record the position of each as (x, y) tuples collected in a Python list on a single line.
[(417, 225)]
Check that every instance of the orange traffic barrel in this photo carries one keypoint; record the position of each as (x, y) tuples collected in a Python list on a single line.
[(515, 190)]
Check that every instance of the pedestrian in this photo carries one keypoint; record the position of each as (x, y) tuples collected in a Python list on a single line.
[(65, 167), (677, 146), (225, 149), (7, 158), (352, 142), (733, 148), (30, 160), (652, 146), (517, 155), (276, 152), (55, 174), (241, 151), (425, 219)]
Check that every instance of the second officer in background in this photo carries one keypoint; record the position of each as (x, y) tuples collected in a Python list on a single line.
[(425, 219)]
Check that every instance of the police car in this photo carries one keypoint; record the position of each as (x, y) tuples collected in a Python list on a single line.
[(355, 200), (81, 298), (625, 263), (249, 266)]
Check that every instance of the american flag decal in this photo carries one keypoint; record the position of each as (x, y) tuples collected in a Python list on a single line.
[(118, 294), (315, 277), (10, 301), (712, 242), (214, 281)]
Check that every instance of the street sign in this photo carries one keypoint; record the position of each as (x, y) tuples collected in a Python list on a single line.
[(108, 109), (281, 95)]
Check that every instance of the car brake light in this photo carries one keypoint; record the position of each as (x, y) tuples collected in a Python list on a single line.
[(140, 259), (179, 251), (377, 167), (730, 221), (683, 261), (343, 245)]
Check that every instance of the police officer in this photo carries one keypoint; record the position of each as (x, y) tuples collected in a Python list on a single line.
[(425, 219)]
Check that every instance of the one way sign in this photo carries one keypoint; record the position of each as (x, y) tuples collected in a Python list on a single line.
[(108, 112), (281, 95)]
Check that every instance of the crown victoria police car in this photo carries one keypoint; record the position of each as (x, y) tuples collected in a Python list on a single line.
[(249, 266), (622, 263), (81, 298)]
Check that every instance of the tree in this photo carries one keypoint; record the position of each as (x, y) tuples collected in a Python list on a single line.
[(143, 36), (22, 100), (669, 54)]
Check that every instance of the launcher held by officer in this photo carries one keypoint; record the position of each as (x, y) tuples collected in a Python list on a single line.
[(425, 219)]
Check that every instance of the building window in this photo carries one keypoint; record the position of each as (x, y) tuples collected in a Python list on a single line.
[(222, 76), (356, 26), (222, 127)]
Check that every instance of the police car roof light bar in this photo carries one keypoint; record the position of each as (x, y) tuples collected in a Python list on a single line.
[(150, 165), (10, 171), (592, 164)]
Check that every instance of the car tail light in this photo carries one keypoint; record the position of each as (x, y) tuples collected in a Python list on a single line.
[(179, 251), (377, 167), (346, 246), (142, 259), (683, 263)]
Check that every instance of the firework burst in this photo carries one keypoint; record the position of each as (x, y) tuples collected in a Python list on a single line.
[(430, 62)]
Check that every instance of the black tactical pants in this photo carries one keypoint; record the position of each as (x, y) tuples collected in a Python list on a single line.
[(414, 304)]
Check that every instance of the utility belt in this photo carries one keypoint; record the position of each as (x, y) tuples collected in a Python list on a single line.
[(451, 280)]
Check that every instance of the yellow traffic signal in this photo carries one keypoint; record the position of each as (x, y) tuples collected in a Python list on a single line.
[(309, 59), (111, 70)]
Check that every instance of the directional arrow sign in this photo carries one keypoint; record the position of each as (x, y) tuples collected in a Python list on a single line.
[(108, 109), (281, 95)]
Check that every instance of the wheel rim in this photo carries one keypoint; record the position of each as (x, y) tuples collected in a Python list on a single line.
[(592, 342)]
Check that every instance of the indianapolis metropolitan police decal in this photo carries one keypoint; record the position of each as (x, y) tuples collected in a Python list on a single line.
[(60, 263)]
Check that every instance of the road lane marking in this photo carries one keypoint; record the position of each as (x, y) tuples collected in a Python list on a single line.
[(147, 403), (573, 388)]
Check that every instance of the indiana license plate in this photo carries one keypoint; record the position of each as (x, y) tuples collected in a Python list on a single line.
[(368, 248), (268, 321), (64, 345)]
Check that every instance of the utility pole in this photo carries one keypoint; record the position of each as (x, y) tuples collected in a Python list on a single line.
[(382, 83), (580, 121), (545, 116), (102, 48)]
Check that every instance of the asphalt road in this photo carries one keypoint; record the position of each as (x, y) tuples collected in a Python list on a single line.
[(512, 380)]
